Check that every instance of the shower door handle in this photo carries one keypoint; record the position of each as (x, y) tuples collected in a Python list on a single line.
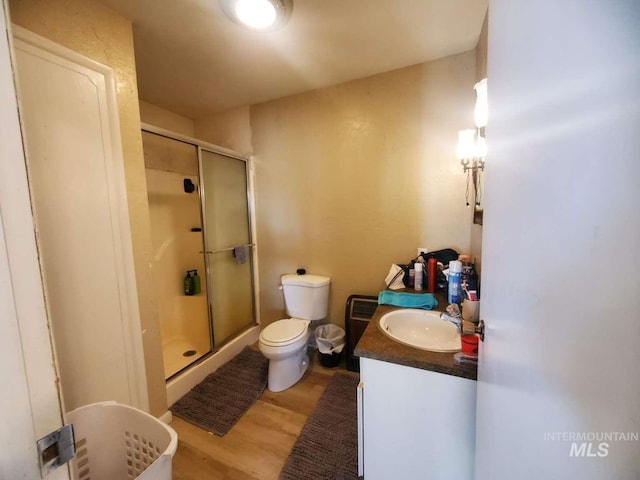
[(207, 252), (248, 245)]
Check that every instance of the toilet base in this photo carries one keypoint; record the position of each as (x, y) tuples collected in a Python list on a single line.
[(286, 372)]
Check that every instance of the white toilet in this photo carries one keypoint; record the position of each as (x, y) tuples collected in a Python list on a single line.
[(284, 342)]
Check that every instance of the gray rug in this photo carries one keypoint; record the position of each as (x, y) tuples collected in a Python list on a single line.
[(219, 401), (327, 448)]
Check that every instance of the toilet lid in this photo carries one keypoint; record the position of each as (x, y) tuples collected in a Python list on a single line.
[(284, 331)]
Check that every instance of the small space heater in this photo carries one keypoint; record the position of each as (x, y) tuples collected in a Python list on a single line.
[(358, 312)]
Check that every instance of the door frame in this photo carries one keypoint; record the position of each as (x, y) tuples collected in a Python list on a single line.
[(33, 402), (127, 287)]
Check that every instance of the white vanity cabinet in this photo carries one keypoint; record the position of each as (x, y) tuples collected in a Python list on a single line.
[(415, 424)]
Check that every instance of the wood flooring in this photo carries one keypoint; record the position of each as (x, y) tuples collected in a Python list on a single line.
[(257, 447)]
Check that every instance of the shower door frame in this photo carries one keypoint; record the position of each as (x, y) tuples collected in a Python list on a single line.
[(253, 246)]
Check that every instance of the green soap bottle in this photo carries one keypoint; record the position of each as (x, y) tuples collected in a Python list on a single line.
[(196, 282), (189, 286)]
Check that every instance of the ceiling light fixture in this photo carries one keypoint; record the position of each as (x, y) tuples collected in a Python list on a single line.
[(265, 15)]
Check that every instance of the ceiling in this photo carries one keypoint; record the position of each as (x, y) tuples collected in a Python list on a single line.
[(191, 59)]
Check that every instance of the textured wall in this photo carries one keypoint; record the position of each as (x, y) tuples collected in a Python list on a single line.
[(355, 177), (159, 117), (229, 129), (97, 32)]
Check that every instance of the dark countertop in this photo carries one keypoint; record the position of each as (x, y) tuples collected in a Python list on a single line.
[(376, 345)]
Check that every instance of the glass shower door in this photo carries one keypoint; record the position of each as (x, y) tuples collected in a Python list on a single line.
[(229, 245), (177, 241)]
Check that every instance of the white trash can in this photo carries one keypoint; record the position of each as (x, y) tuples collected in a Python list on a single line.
[(118, 442), (330, 340)]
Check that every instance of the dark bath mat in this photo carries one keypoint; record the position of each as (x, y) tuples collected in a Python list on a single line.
[(219, 401), (327, 448)]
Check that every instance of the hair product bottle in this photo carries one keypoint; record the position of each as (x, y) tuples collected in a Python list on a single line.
[(188, 284), (196, 282), (418, 276), (432, 271), (455, 281)]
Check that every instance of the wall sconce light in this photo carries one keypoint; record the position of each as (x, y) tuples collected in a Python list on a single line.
[(472, 145)]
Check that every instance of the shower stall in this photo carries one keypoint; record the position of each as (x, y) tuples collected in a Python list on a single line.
[(203, 248)]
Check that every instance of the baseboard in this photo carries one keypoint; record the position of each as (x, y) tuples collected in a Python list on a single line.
[(166, 417)]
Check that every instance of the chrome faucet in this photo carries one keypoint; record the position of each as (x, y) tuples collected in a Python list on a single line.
[(452, 314)]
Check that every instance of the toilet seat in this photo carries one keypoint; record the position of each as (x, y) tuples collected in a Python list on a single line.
[(284, 332)]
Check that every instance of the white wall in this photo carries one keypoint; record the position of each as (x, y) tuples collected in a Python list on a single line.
[(561, 237)]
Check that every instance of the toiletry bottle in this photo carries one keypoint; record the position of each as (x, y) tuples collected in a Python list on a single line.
[(455, 281), (188, 284), (469, 274), (412, 274), (432, 271), (196, 282), (418, 276)]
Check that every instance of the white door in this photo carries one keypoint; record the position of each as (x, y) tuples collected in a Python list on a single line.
[(558, 388), (29, 396), (76, 177)]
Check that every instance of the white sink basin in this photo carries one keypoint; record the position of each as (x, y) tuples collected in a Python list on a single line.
[(421, 329)]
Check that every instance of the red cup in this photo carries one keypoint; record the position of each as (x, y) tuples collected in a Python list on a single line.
[(469, 344)]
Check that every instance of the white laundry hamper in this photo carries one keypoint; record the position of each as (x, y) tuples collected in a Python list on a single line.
[(118, 442)]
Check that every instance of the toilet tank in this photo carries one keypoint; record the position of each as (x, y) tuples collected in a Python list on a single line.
[(306, 296)]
